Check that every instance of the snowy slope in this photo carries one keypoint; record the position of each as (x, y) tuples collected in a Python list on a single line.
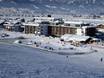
[(22, 62)]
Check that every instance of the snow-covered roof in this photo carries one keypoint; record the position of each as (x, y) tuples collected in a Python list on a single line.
[(68, 37), (73, 22), (94, 26), (8, 24), (101, 30), (82, 24), (43, 18), (96, 21), (13, 21), (31, 24)]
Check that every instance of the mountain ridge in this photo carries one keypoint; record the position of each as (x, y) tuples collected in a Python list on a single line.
[(69, 6)]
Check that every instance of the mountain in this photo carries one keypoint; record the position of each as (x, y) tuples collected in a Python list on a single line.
[(59, 6)]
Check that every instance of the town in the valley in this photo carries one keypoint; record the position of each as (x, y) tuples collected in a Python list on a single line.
[(51, 38), (62, 34), (51, 46)]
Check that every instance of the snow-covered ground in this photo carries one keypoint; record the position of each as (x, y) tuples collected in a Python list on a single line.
[(14, 35), (17, 61), (47, 43)]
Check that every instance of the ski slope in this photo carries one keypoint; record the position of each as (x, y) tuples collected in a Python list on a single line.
[(23, 62)]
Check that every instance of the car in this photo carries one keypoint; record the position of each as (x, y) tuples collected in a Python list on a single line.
[(4, 35)]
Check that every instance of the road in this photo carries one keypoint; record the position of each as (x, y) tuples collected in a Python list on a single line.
[(24, 62)]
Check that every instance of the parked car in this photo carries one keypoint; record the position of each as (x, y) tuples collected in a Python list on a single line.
[(4, 35)]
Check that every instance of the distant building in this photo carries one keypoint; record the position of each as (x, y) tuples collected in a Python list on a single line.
[(31, 28), (100, 28), (8, 26), (58, 30), (13, 26), (77, 28), (18, 27), (50, 26), (44, 19), (39, 25), (44, 28), (36, 28), (78, 39)]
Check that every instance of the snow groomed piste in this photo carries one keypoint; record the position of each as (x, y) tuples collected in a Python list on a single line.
[(26, 62)]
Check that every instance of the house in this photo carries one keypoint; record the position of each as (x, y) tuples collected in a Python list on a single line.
[(78, 39), (13, 25), (8, 26)]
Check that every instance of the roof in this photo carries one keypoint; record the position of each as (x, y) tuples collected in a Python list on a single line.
[(68, 37), (31, 24), (43, 18), (73, 22), (8, 24)]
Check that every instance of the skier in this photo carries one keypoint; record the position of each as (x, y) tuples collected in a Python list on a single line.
[(66, 56), (101, 59)]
